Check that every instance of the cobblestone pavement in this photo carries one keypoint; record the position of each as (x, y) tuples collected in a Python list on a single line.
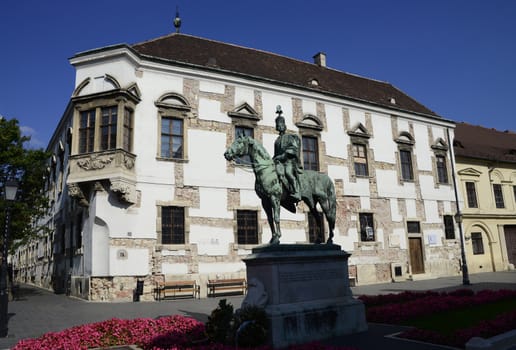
[(39, 311)]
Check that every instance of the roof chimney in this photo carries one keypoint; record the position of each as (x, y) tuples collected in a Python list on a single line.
[(320, 59)]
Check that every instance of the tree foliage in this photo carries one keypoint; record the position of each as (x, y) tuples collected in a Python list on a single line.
[(28, 167)]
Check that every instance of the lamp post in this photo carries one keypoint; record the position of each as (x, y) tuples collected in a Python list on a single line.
[(464, 267), (458, 216), (10, 190)]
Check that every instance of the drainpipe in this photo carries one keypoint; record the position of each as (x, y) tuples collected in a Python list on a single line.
[(458, 215)]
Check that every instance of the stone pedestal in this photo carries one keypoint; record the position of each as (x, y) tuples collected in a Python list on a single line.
[(308, 293)]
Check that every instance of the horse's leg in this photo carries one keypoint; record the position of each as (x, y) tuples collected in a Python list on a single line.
[(315, 214), (266, 204), (330, 218), (276, 207)]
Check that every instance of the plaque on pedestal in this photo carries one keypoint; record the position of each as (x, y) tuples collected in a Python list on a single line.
[(305, 291)]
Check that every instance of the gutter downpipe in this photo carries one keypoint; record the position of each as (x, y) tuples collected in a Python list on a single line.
[(458, 215)]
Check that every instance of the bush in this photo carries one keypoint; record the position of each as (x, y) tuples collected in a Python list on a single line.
[(218, 326), (250, 327)]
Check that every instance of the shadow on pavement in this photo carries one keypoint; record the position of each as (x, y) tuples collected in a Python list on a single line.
[(196, 315)]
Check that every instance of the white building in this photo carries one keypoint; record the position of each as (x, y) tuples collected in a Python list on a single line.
[(140, 187)]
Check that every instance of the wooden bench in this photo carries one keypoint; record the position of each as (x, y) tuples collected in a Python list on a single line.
[(227, 286), (177, 289)]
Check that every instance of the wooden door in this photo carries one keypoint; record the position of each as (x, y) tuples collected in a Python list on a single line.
[(416, 255), (510, 242)]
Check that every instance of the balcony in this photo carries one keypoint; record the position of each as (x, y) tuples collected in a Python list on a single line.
[(117, 166)]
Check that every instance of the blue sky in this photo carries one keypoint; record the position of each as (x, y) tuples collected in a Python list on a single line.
[(457, 57)]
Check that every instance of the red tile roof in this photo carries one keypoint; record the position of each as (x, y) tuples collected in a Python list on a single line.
[(265, 66), (472, 141)]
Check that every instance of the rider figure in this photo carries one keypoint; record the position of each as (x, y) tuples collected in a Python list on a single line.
[(286, 157)]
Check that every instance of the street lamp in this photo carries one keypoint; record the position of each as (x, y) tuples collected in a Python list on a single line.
[(464, 268), (10, 190)]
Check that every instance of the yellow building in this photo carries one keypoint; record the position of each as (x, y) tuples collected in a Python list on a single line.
[(486, 168)]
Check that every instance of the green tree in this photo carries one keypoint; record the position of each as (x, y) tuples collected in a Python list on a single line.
[(28, 167)]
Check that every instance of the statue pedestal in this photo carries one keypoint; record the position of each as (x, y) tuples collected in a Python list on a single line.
[(308, 294)]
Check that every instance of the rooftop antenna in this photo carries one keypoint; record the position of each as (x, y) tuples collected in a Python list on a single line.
[(177, 20)]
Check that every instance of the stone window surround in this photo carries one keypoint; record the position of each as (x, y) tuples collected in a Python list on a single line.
[(259, 229), (498, 196), (159, 245), (405, 142), (440, 148), (467, 193), (363, 140), (311, 126), (359, 228), (120, 98), (179, 108), (452, 226), (244, 120)]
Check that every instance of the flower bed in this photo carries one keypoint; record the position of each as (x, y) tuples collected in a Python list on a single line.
[(404, 307), (171, 332)]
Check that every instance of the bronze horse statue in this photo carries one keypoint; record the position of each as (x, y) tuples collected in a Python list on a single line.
[(315, 187)]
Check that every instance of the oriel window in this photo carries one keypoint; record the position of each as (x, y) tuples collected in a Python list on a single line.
[(108, 128), (87, 131)]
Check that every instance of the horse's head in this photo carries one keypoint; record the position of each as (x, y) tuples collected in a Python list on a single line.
[(239, 147)]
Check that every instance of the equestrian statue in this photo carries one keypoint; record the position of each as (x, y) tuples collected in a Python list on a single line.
[(281, 181)]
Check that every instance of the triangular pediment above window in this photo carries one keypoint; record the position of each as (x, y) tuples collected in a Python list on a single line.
[(440, 145), (359, 130), (244, 111), (469, 172), (310, 121), (134, 90)]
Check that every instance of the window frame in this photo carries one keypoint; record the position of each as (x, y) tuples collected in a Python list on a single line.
[(498, 196), (360, 160), (122, 100), (174, 209), (108, 140), (173, 105), (243, 230), (477, 243), (244, 160), (87, 131), (172, 136), (404, 163), (471, 194), (368, 219), (413, 227), (449, 227), (306, 152), (442, 169), (128, 129)]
